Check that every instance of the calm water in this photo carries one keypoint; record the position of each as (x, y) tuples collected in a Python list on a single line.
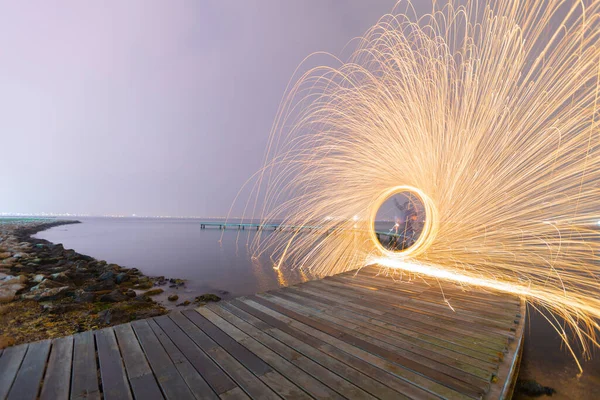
[(175, 248), (178, 248)]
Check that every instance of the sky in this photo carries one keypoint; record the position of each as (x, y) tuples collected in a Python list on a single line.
[(150, 107)]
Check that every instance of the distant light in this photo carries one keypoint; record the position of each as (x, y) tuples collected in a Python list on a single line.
[(355, 218), (598, 222)]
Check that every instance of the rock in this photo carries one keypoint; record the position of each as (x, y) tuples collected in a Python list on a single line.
[(15, 279), (82, 296), (173, 297), (144, 285), (104, 317), (46, 294), (122, 277), (128, 311), (153, 292), (185, 303), (25, 269), (205, 298), (5, 255), (60, 277), (130, 293), (102, 285), (59, 308), (102, 292), (38, 278), (114, 297), (533, 389), (48, 284), (9, 289), (6, 341), (108, 275)]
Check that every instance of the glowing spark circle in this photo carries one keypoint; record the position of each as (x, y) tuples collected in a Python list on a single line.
[(427, 236)]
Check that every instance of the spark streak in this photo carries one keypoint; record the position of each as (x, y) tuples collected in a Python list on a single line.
[(491, 113)]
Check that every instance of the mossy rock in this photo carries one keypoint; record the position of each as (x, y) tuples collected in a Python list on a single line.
[(153, 292), (205, 298), (144, 285)]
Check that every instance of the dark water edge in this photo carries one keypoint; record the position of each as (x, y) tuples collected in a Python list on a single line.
[(178, 248), (548, 362)]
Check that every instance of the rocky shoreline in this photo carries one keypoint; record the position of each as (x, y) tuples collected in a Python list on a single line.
[(47, 291)]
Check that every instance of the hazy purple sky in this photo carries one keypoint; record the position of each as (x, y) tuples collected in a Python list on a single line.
[(150, 107)]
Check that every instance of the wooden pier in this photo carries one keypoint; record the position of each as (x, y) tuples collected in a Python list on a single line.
[(282, 227), (349, 336), (258, 227)]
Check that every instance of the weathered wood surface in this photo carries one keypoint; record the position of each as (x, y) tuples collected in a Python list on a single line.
[(357, 336)]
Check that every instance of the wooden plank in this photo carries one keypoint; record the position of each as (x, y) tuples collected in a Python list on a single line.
[(200, 389), (295, 352), (509, 370), (385, 385), (234, 394), (210, 371), (486, 327), (364, 316), (27, 382), (169, 379), (142, 381), (423, 349), (442, 352), (274, 380), (406, 325), (244, 378), (407, 375), (112, 371), (434, 297), (308, 358), (57, 380), (449, 375), (10, 362), (287, 362), (393, 304), (84, 379), (450, 287), (242, 354), (449, 325), (426, 375)]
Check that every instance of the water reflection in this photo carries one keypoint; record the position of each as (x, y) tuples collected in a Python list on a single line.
[(210, 259)]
